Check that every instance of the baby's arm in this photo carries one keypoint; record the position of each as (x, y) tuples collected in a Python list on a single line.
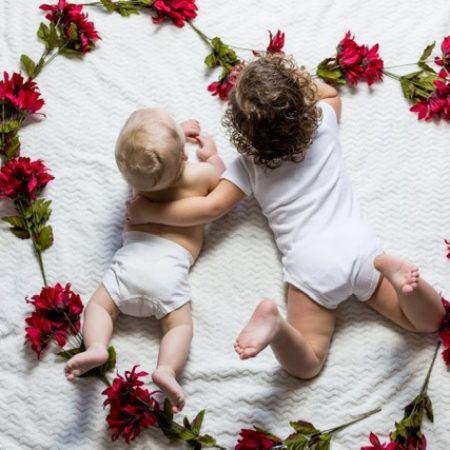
[(188, 211), (329, 94), (207, 152)]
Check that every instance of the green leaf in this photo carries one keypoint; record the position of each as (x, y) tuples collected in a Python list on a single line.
[(296, 441), (67, 354), (109, 5), (330, 72), (320, 442), (28, 65), (186, 423), (43, 32), (303, 427), (427, 52), (15, 221), (207, 441), (429, 409), (10, 125), (20, 233), (197, 422), (211, 61), (44, 238), (53, 38), (73, 31), (41, 212), (168, 409)]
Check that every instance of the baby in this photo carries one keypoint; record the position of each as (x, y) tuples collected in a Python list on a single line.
[(286, 128), (149, 273)]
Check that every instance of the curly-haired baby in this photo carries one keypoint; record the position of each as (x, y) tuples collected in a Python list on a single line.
[(286, 128)]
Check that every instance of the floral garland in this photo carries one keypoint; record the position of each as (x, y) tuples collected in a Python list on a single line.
[(57, 309)]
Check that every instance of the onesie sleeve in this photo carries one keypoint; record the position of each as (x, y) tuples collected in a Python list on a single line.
[(328, 114), (238, 174)]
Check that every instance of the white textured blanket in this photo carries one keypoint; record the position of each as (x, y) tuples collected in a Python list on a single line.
[(399, 167)]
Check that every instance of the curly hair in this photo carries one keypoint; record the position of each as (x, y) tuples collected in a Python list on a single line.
[(272, 114)]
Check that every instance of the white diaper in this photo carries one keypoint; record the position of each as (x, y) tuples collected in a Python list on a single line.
[(332, 268), (149, 275)]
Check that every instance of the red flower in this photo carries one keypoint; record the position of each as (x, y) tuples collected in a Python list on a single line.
[(131, 407), (448, 247), (65, 16), (446, 356), (377, 445), (437, 104), (254, 440), (178, 11), (56, 315), (23, 179), (276, 43), (20, 95), (223, 87), (445, 48), (358, 61)]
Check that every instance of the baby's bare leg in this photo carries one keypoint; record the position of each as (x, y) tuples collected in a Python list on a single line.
[(300, 343), (404, 297), (173, 352), (97, 330)]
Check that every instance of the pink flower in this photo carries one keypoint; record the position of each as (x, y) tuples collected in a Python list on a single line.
[(20, 95), (66, 15), (372, 64), (223, 87), (254, 440), (23, 179), (377, 445), (445, 48), (131, 407), (178, 11), (56, 315)]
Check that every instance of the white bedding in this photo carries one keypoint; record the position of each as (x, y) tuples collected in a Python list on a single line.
[(399, 167)]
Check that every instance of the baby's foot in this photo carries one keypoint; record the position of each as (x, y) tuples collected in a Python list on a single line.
[(164, 378), (81, 363), (259, 331), (403, 275)]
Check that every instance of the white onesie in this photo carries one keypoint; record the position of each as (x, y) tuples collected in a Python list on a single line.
[(148, 275), (327, 249)]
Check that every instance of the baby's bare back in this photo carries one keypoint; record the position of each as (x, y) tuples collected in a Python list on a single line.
[(197, 179)]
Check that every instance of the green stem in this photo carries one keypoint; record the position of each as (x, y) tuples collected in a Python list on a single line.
[(200, 33), (130, 2), (21, 211), (427, 379), (345, 425), (410, 64)]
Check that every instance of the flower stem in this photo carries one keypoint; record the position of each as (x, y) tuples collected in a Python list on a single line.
[(38, 252), (345, 425), (200, 33), (409, 64), (391, 75), (427, 379)]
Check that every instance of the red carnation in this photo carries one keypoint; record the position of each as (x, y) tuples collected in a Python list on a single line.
[(255, 440), (23, 179), (131, 407), (18, 95), (56, 315), (445, 48), (276, 43), (437, 104), (67, 15), (178, 11), (444, 332), (377, 445), (223, 87)]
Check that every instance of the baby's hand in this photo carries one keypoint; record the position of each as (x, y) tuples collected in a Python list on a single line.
[(191, 130), (207, 147), (135, 210)]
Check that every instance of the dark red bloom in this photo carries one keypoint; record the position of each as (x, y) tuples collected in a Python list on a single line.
[(276, 43), (56, 315), (254, 440), (132, 408), (447, 243), (358, 61), (23, 179), (444, 332), (178, 11), (223, 87), (377, 445), (19, 95), (446, 356), (437, 104), (67, 15), (445, 48)]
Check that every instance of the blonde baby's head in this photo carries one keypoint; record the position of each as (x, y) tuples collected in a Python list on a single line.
[(150, 150), (272, 114)]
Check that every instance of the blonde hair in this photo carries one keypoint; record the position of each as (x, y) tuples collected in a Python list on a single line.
[(149, 150)]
